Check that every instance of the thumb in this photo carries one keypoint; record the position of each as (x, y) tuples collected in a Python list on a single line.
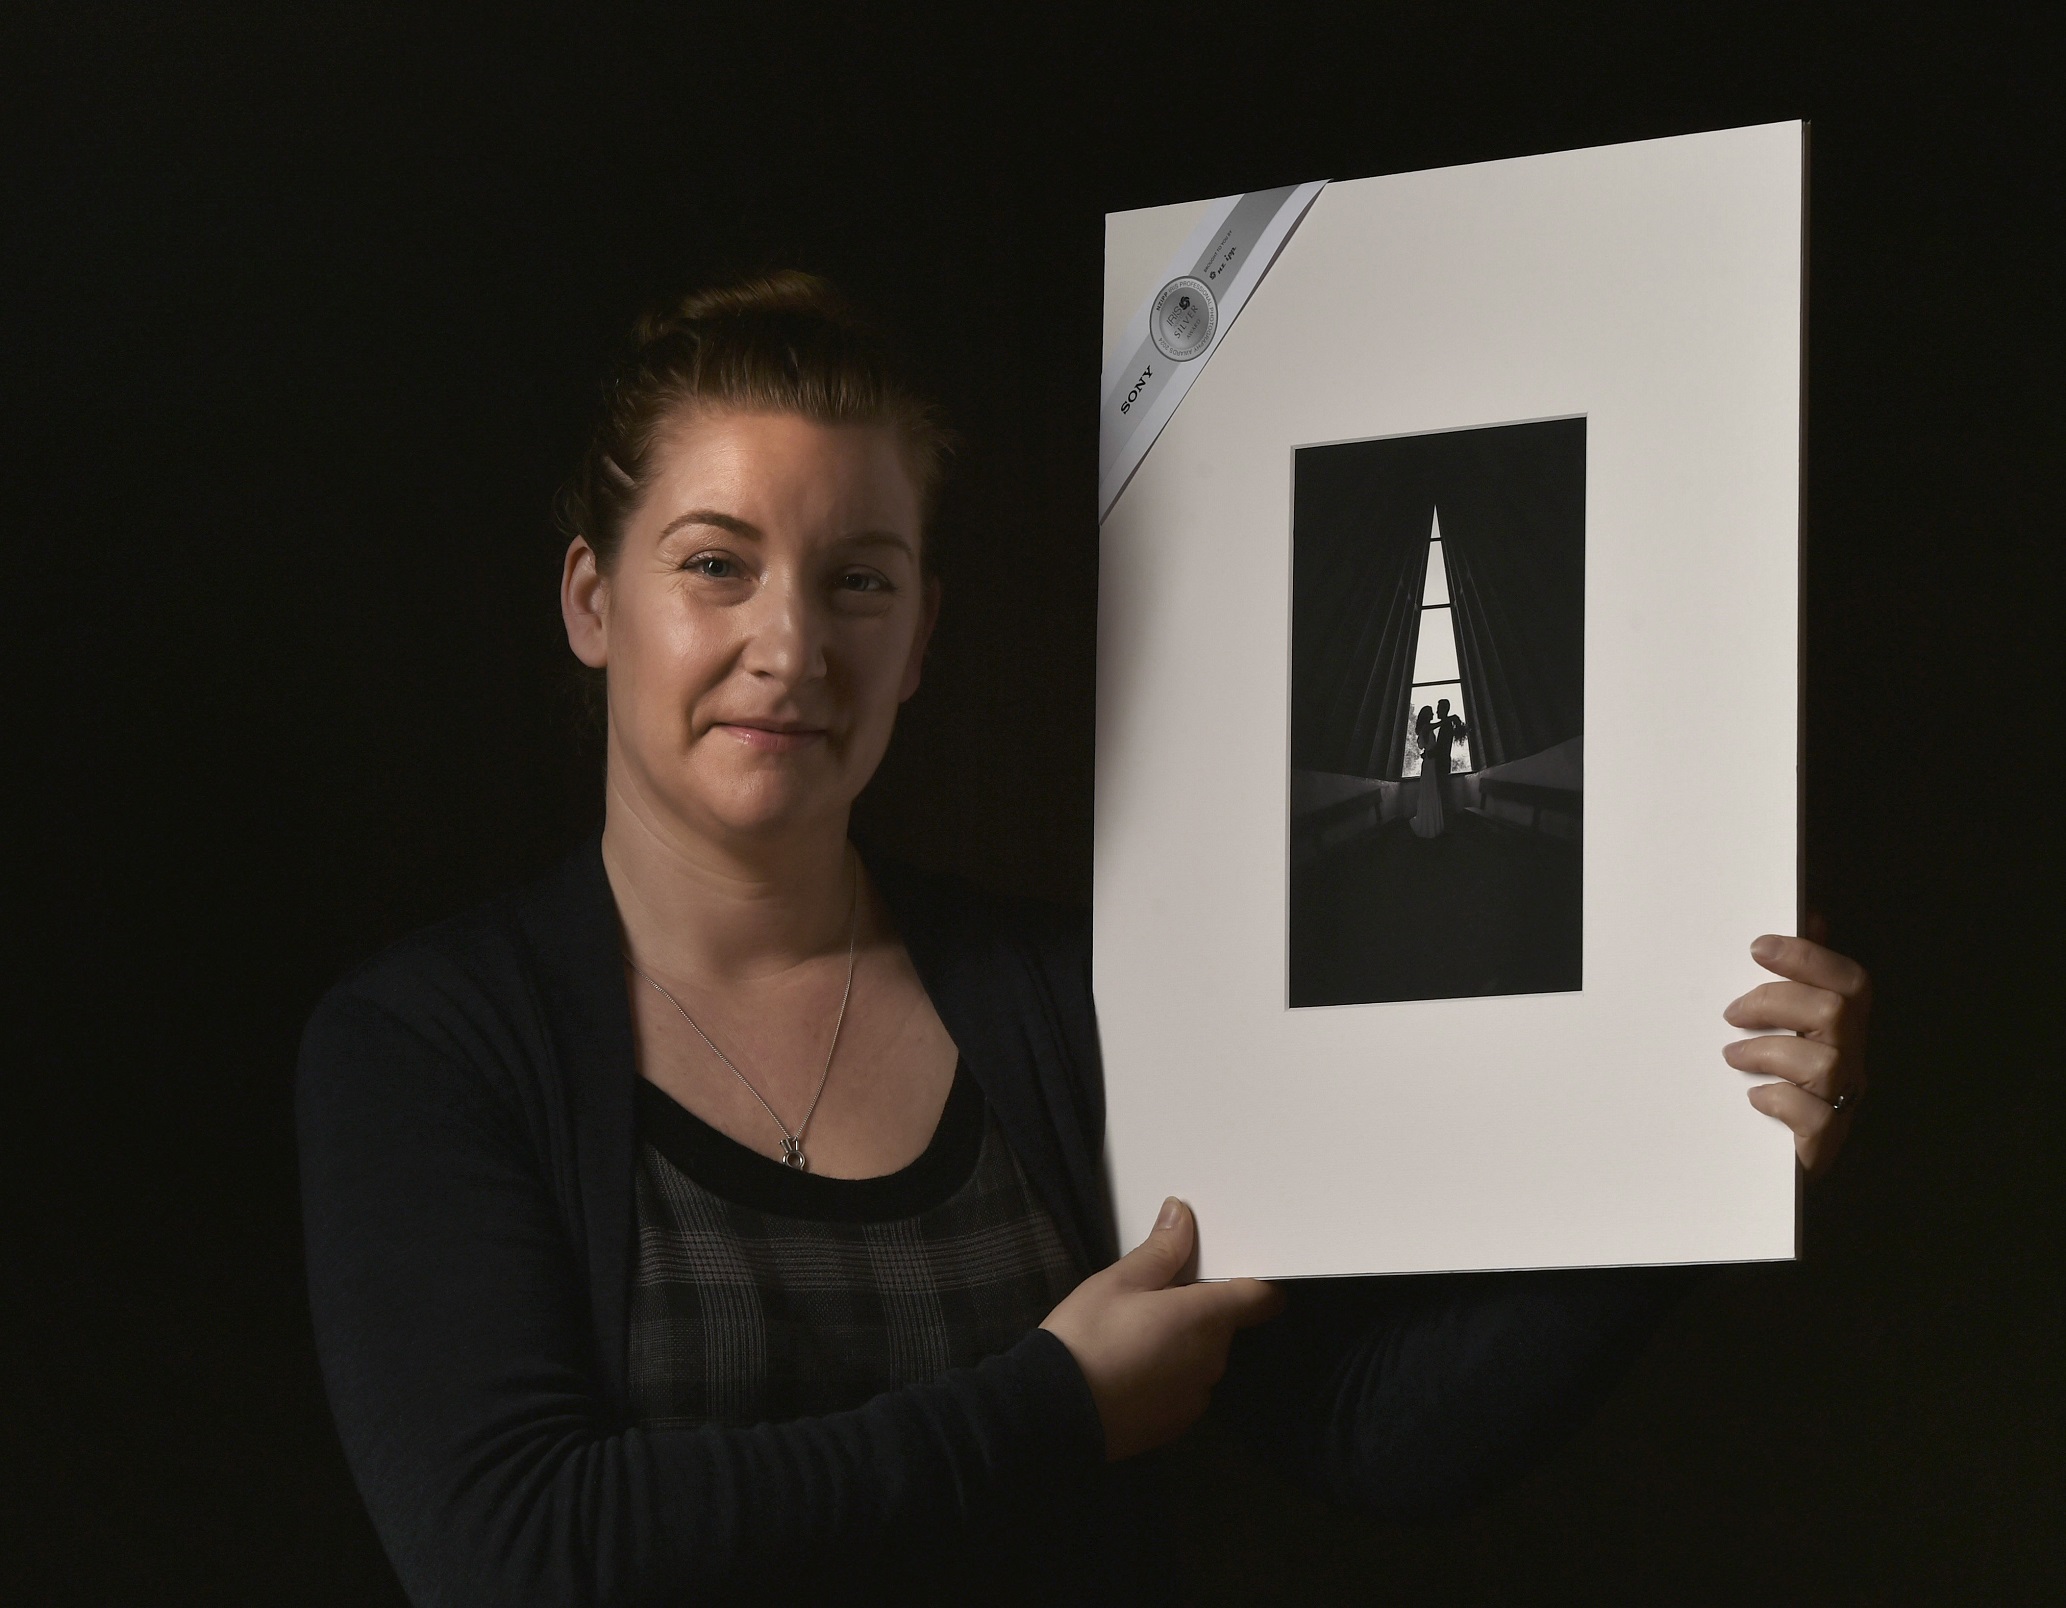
[(1157, 1260)]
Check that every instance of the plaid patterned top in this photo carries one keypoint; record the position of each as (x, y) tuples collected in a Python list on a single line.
[(763, 1294)]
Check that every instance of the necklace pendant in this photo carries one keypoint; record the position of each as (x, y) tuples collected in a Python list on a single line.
[(792, 1154)]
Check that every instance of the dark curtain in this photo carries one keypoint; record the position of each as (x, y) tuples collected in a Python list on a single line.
[(1359, 559), (1512, 501), (1513, 536)]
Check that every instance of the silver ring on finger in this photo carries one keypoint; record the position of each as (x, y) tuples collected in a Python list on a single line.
[(1843, 1102)]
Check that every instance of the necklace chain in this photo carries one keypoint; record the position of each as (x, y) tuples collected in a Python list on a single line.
[(792, 1143)]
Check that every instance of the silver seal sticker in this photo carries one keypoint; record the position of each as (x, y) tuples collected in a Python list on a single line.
[(1184, 319)]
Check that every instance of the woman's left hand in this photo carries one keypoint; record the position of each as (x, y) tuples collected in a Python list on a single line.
[(1824, 1000)]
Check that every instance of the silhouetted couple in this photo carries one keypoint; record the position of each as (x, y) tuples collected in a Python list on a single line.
[(1439, 732)]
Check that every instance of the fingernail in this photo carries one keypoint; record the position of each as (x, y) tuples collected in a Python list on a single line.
[(1766, 948), (1172, 1209)]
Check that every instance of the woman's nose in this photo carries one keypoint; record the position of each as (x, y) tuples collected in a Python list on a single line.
[(786, 634)]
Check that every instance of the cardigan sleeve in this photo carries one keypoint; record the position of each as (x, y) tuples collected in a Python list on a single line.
[(1415, 1398), (457, 1348)]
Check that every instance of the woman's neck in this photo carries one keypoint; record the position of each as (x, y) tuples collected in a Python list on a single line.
[(700, 907)]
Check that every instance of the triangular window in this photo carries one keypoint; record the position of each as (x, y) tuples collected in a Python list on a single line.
[(1435, 672)]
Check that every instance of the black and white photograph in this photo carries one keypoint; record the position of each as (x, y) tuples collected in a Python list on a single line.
[(1438, 715)]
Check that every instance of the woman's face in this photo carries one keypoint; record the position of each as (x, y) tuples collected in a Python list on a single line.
[(763, 619)]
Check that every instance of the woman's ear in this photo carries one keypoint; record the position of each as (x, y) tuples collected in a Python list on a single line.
[(928, 618), (585, 604)]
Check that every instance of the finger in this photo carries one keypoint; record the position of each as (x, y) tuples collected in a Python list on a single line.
[(1809, 1118), (1246, 1302), (1805, 961), (1155, 1263), (1260, 1307), (1791, 1007), (1808, 1062), (1236, 1303)]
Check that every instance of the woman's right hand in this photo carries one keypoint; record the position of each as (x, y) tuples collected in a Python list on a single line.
[(1152, 1349)]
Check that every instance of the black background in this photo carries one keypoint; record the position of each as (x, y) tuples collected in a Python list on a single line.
[(307, 311)]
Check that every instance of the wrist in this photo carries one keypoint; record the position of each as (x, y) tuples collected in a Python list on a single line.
[(1077, 1426)]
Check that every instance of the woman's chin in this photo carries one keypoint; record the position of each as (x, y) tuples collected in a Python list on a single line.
[(747, 795), (775, 807)]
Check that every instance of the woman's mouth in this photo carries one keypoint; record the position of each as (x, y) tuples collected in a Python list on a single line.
[(771, 736)]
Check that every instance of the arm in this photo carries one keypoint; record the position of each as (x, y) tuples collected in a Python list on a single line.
[(452, 1321), (1414, 1398)]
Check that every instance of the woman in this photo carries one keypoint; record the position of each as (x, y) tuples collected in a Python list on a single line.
[(722, 1215), (1429, 818), (1423, 734)]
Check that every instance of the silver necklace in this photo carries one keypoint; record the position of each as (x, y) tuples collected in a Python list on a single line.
[(792, 1143)]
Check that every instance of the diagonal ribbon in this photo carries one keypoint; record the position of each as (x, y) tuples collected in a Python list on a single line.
[(1172, 336)]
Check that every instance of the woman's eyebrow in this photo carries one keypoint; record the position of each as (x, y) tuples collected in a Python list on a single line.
[(881, 538), (710, 516)]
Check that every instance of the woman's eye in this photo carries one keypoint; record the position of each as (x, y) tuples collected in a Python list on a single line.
[(714, 566), (863, 581)]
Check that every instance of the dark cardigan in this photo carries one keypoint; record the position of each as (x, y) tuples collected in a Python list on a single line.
[(465, 1109)]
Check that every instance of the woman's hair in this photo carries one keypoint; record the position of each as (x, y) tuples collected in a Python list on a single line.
[(776, 343)]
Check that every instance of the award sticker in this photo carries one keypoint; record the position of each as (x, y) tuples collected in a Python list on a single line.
[(1184, 319)]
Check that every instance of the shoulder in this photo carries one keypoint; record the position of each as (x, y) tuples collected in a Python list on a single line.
[(445, 972), (469, 996), (941, 917), (1002, 971)]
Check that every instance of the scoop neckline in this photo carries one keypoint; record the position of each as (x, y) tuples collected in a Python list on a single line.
[(742, 1175)]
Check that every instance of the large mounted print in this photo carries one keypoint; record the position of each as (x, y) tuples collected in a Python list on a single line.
[(1447, 708)]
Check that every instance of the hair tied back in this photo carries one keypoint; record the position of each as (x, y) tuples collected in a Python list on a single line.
[(784, 343)]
